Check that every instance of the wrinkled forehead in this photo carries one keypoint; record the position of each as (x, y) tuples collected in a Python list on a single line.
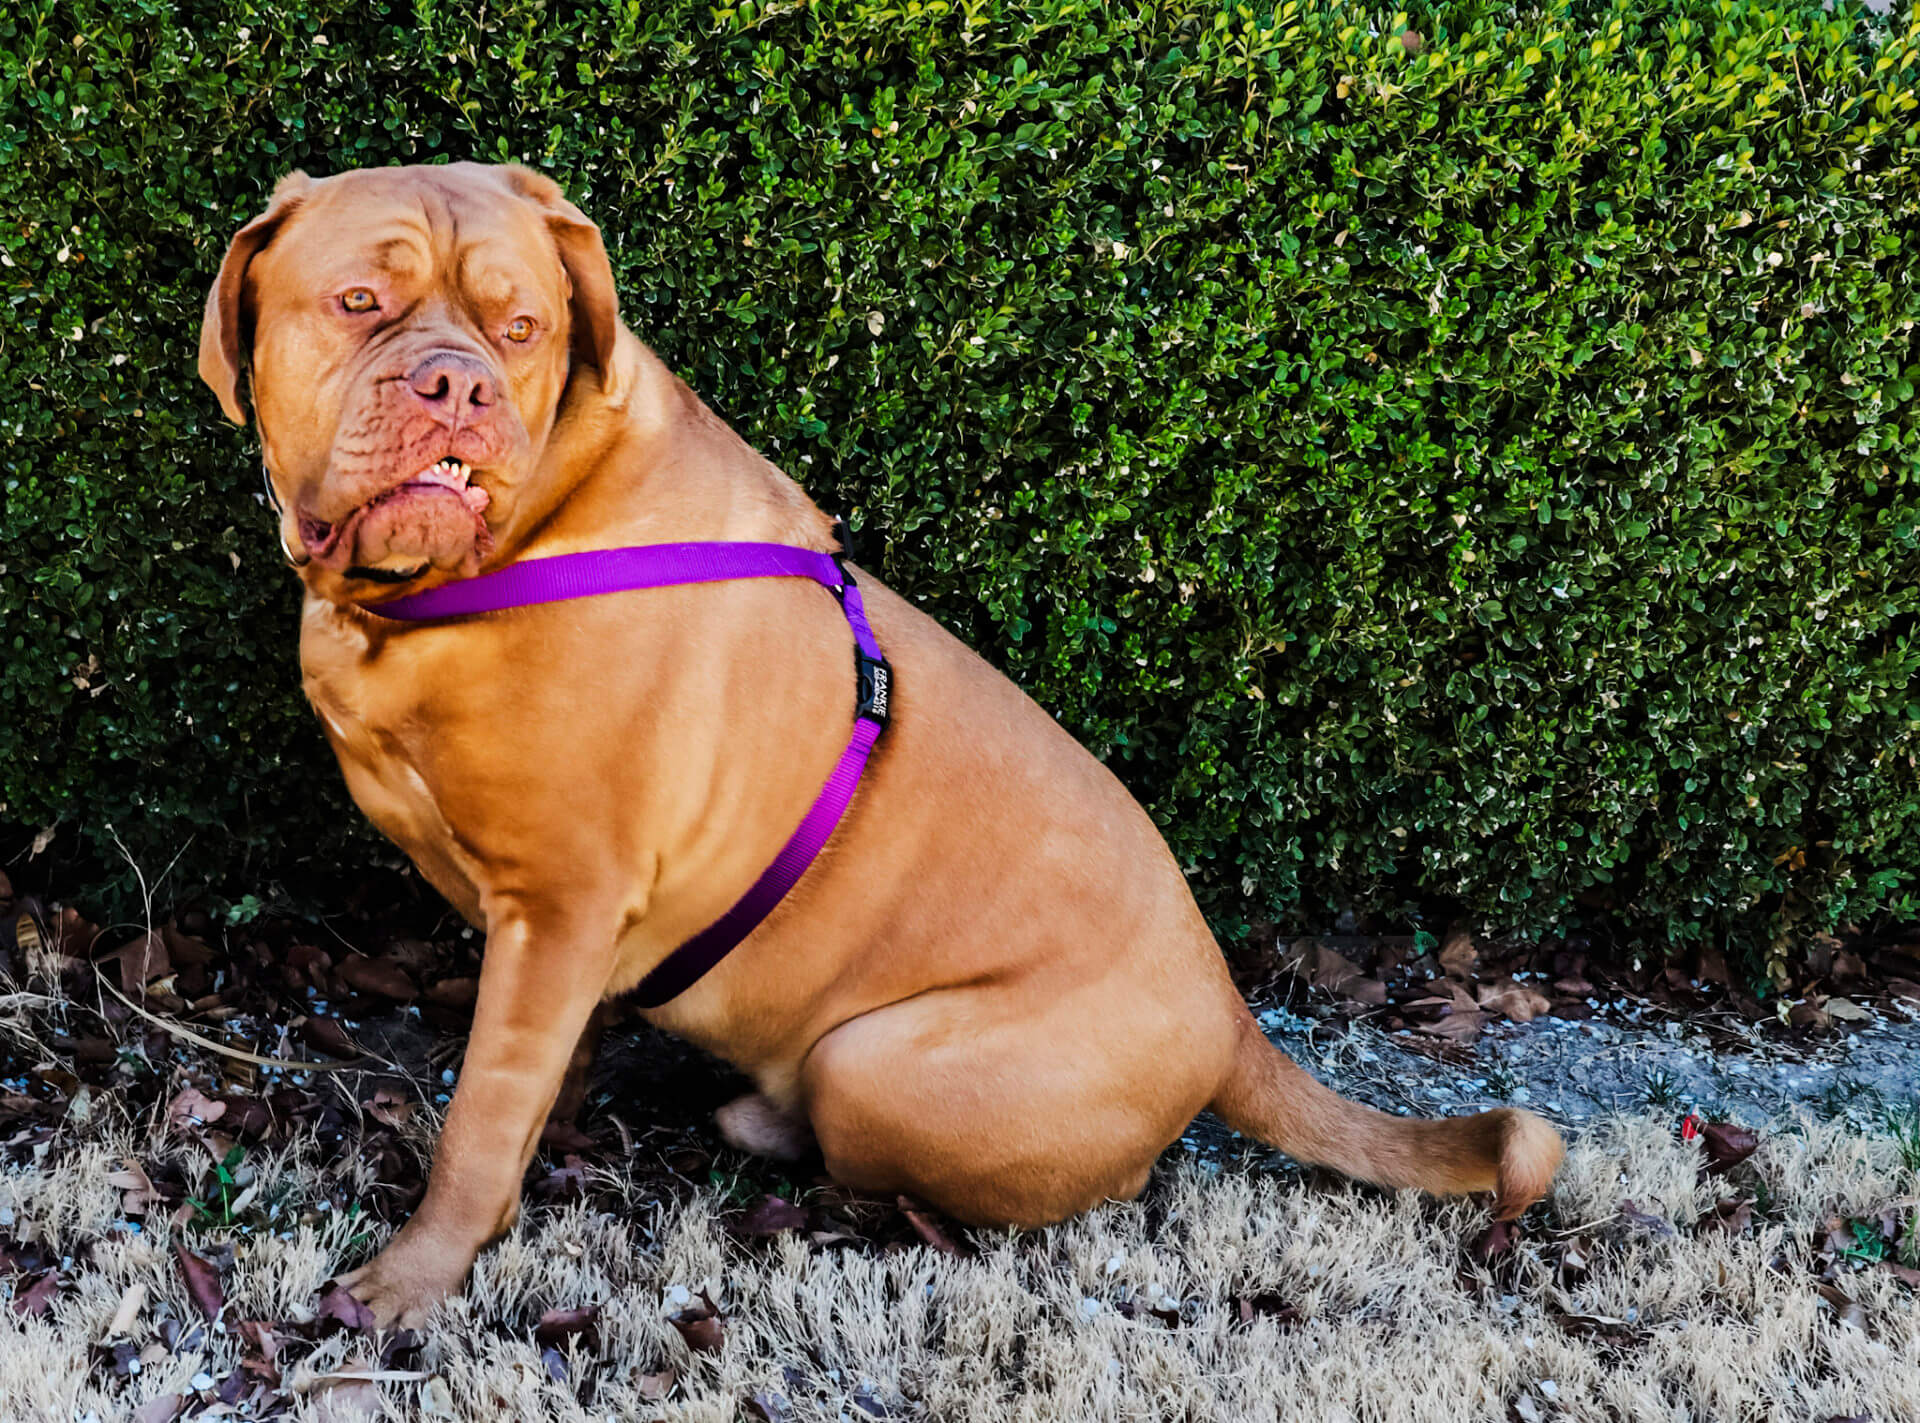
[(416, 228)]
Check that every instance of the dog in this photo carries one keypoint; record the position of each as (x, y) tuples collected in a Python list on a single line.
[(993, 990)]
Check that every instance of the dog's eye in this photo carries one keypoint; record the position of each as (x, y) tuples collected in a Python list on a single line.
[(359, 299), (520, 329)]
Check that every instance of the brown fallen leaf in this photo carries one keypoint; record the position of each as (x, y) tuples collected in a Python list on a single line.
[(1454, 1016), (380, 977), (1496, 1240), (1847, 1011), (1514, 999), (389, 1106), (192, 1108), (1458, 956), (141, 961), (163, 1409), (769, 1407), (1576, 1260), (557, 1325), (771, 1216), (1710, 966), (701, 1325), (346, 1401), (1845, 1308), (455, 993), (1632, 1215), (564, 1137), (927, 1227), (328, 1036), (37, 1298), (1727, 1145), (127, 1314), (1904, 988), (1248, 1308), (263, 1348), (654, 1387), (565, 1182), (1905, 1274), (202, 1280), (337, 1305), (136, 1189), (1733, 1216)]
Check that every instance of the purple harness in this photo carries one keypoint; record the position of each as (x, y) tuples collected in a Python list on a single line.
[(615, 570)]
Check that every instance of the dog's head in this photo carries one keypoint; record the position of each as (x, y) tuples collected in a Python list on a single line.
[(412, 334)]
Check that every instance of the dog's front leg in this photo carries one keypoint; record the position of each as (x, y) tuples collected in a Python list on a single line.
[(543, 973)]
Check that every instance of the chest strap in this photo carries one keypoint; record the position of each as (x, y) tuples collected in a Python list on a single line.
[(617, 570)]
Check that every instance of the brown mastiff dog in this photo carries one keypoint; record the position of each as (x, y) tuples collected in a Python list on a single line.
[(993, 991)]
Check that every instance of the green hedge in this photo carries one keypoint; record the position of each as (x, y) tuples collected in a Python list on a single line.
[(1470, 463)]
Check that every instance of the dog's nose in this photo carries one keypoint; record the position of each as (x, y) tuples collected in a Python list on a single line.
[(450, 383)]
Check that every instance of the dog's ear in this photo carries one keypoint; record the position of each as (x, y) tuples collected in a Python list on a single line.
[(595, 308), (224, 339)]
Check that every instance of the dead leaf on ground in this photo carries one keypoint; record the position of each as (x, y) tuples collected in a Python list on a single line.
[(1455, 1016), (191, 1108), (1632, 1215), (1458, 956), (37, 1298), (127, 1313), (337, 1305), (389, 1106), (1727, 1145), (561, 1324), (141, 961), (564, 1137), (567, 1181), (346, 1401), (1845, 1308), (1327, 968), (1266, 1305), (771, 1216), (1734, 1217), (1514, 999), (1847, 1011), (136, 1189), (1496, 1240), (770, 1407), (927, 1227), (203, 1281), (163, 1409), (654, 1387), (701, 1325), (380, 977), (263, 1348), (328, 1036), (1710, 966)]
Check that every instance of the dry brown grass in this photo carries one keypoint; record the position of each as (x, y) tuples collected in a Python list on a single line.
[(1707, 1326)]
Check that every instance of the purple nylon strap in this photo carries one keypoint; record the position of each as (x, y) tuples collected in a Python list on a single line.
[(614, 570)]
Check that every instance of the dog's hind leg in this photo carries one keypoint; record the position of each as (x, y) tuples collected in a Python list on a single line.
[(755, 1123), (1508, 1151), (573, 1087)]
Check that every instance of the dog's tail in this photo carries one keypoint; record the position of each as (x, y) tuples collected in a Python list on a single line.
[(1510, 1152)]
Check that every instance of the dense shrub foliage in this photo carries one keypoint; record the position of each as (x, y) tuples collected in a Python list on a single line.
[(1462, 457)]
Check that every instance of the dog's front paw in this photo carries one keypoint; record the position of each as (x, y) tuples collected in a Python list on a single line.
[(402, 1284)]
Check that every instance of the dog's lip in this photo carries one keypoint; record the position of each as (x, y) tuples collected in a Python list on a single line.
[(322, 536)]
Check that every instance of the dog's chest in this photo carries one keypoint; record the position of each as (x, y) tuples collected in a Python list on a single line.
[(390, 789)]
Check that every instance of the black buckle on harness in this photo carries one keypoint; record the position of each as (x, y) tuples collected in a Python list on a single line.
[(872, 676), (873, 687)]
